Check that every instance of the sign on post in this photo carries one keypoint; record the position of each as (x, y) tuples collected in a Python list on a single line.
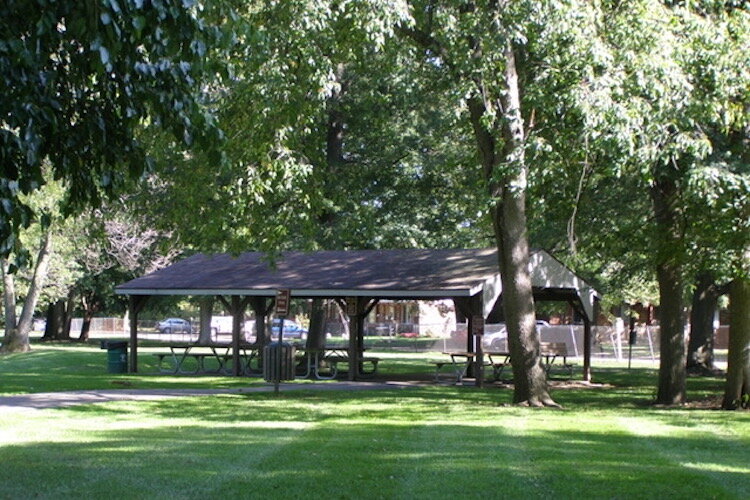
[(477, 325), (283, 297), (351, 306), (282, 302)]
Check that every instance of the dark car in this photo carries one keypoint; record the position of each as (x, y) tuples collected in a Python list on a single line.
[(174, 325), (292, 330)]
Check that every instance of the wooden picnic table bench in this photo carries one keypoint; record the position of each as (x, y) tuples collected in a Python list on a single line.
[(179, 353), (552, 351), (460, 361), (498, 360), (370, 360), (330, 358)]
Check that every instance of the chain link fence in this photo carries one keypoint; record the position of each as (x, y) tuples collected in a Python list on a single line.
[(608, 342)]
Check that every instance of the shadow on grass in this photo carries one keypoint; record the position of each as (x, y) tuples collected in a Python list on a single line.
[(388, 446)]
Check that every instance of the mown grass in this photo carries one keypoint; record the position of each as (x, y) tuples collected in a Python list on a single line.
[(427, 441)]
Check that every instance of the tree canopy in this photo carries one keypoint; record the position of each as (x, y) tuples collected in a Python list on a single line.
[(80, 81)]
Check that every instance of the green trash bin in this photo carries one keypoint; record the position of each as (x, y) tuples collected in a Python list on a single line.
[(117, 356)]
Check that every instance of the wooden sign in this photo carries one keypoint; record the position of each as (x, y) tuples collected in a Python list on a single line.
[(477, 325), (282, 302), (351, 306)]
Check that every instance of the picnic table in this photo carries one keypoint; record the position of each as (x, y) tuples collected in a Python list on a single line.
[(461, 361), (323, 364), (497, 360), (221, 354)]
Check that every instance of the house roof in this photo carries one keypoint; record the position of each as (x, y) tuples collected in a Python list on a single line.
[(396, 274)]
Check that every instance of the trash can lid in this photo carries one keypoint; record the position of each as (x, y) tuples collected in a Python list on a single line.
[(113, 344)]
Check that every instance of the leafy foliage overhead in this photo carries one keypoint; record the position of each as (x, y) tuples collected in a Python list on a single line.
[(80, 79)]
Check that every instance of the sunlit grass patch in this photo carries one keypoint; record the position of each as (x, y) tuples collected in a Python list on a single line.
[(429, 440)]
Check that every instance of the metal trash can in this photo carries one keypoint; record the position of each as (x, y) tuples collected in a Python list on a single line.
[(272, 370), (117, 355)]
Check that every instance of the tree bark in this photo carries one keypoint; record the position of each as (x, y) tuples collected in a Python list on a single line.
[(508, 191), (343, 319), (69, 309), (316, 335), (737, 388), (90, 306), (85, 326), (9, 296), (17, 338), (700, 357), (56, 320), (206, 312), (669, 274)]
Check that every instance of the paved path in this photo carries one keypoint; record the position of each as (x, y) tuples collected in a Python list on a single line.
[(44, 400)]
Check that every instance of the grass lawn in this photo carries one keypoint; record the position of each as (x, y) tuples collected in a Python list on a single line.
[(423, 442)]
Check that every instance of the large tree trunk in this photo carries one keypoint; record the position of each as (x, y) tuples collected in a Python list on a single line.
[(737, 389), (56, 321), (669, 273), (206, 312), (508, 190), (69, 310), (17, 337), (700, 357), (85, 326), (316, 335), (9, 296), (90, 307)]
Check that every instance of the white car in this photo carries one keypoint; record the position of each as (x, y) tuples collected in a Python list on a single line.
[(495, 337), (174, 325)]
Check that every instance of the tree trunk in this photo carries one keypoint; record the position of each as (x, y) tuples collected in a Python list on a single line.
[(343, 319), (206, 312), (52, 322), (69, 309), (17, 338), (85, 326), (669, 273), (90, 307), (508, 190), (737, 388), (9, 297), (57, 315), (700, 357), (316, 335)]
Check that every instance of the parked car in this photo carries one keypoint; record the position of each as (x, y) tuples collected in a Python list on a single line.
[(174, 325), (292, 329), (495, 337)]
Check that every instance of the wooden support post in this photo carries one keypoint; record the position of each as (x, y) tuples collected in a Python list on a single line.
[(237, 308), (133, 368), (587, 339), (471, 308), (478, 333), (135, 306), (586, 348), (353, 339)]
